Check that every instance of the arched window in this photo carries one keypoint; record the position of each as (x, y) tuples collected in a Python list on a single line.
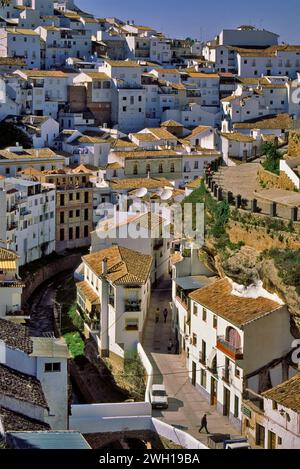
[(233, 337)]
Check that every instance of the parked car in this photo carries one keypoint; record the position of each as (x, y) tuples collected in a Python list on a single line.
[(158, 397)]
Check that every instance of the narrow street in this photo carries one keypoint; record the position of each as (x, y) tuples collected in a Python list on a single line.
[(186, 405)]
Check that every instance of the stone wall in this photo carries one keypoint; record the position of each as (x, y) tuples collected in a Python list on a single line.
[(47, 271), (259, 239), (294, 144), (273, 180)]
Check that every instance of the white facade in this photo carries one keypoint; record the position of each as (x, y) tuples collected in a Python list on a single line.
[(15, 42), (31, 227)]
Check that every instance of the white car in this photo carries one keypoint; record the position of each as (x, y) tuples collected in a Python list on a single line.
[(159, 398)]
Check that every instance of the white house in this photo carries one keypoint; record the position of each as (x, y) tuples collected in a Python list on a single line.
[(226, 326), (271, 421), (34, 375), (114, 298), (10, 283), (142, 232), (31, 232), (18, 42)]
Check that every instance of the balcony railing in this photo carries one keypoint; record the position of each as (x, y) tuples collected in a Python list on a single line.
[(228, 349)]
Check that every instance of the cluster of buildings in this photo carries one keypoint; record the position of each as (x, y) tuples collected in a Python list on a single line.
[(114, 119)]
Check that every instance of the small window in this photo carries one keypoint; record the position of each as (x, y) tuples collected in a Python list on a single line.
[(215, 322), (204, 315), (52, 367), (195, 340), (275, 405), (279, 441), (195, 310)]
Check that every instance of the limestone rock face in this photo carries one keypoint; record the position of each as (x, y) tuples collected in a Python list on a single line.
[(247, 267)]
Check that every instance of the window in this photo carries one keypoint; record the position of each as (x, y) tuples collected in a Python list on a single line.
[(195, 340), (196, 165), (70, 233), (77, 195), (135, 169), (70, 197), (86, 231), (236, 407), (140, 99), (161, 168), (204, 315), (203, 379), (203, 352), (77, 213), (148, 168), (62, 235), (215, 322), (172, 168), (237, 372), (71, 214), (131, 100), (124, 108), (86, 214), (131, 325), (279, 441), (195, 310), (86, 197), (275, 405), (260, 436), (52, 367)]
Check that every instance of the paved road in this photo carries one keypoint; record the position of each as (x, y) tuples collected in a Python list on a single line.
[(186, 404)]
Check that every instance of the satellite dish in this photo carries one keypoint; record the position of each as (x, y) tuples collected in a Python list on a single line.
[(167, 194), (159, 192), (140, 193)]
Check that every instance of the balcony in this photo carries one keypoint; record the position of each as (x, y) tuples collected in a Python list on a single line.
[(228, 349), (12, 226), (133, 306)]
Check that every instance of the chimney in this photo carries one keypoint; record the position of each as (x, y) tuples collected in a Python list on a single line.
[(104, 266)]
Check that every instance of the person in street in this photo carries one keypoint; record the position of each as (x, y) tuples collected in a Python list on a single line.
[(157, 315), (170, 346), (165, 313), (204, 424)]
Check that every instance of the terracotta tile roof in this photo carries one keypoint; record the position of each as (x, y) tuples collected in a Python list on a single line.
[(171, 123), (145, 137), (97, 75), (237, 137), (281, 121), (161, 133), (286, 394), (15, 422), (15, 336), (88, 292), (21, 387), (219, 299), (22, 32), (199, 130), (124, 265), (148, 154), (44, 73), (195, 184), (137, 183), (203, 75), (122, 63)]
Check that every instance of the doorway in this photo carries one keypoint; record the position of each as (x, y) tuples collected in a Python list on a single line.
[(194, 373), (226, 405), (213, 392)]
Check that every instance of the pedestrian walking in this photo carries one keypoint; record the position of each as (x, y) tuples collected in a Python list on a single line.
[(170, 345), (165, 313), (204, 424), (157, 315)]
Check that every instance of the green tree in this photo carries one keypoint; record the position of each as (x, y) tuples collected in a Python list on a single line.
[(272, 161)]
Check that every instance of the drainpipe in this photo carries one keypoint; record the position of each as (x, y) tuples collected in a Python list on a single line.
[(104, 352)]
